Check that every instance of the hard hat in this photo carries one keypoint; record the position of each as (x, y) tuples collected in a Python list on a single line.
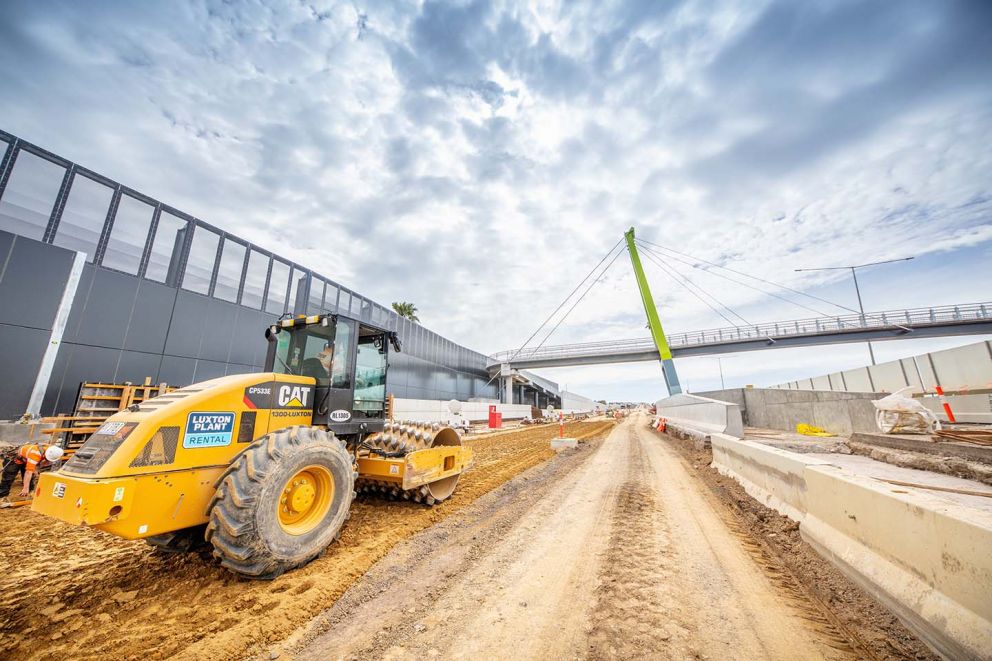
[(54, 453)]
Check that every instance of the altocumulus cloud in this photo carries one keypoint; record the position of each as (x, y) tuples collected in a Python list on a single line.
[(479, 157)]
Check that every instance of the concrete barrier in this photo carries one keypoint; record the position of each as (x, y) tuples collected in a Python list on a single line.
[(927, 558), (703, 414), (838, 412)]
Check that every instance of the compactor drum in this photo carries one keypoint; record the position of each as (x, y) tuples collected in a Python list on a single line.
[(263, 467), (406, 437)]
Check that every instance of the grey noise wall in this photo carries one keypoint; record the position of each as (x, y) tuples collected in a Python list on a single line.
[(163, 294)]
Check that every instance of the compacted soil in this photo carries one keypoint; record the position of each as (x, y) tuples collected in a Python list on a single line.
[(630, 546), (73, 592)]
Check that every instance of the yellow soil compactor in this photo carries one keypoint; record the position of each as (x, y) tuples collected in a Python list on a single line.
[(263, 467)]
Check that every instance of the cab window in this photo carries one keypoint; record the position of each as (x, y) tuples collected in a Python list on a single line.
[(316, 351), (323, 353), (340, 365), (299, 351)]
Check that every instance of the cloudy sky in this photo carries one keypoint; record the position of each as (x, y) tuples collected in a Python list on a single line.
[(478, 158)]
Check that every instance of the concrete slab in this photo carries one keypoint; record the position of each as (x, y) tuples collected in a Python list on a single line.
[(868, 467), (796, 442)]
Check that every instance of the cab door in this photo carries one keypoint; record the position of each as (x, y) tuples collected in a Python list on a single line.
[(334, 393)]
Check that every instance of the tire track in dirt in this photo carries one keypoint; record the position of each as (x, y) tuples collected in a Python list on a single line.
[(728, 599), (633, 597)]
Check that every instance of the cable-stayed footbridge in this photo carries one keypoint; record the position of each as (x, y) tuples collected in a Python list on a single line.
[(915, 323), (741, 334)]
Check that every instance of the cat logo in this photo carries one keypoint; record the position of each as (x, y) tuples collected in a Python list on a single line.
[(294, 396)]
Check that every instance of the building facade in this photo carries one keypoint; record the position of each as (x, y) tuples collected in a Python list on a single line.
[(101, 282)]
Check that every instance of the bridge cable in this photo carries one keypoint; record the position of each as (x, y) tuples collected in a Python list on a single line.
[(743, 284), (866, 315), (591, 285), (562, 304), (754, 277), (683, 280)]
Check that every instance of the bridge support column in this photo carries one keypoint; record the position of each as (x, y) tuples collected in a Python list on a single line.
[(507, 389)]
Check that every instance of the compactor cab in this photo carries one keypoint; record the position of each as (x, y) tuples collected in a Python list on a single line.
[(348, 361), (263, 467)]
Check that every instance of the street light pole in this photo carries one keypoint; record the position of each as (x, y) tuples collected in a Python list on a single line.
[(857, 290), (861, 306)]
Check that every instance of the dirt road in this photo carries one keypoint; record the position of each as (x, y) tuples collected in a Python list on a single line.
[(620, 553), (77, 593)]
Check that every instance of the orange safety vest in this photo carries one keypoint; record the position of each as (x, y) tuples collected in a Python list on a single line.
[(32, 455)]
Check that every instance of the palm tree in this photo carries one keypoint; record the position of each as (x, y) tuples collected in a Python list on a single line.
[(408, 310)]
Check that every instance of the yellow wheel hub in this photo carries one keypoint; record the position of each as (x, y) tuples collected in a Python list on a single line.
[(305, 499)]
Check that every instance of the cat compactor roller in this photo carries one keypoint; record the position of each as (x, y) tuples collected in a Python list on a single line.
[(261, 466)]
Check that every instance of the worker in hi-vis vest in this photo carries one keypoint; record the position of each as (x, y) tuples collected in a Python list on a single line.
[(27, 461)]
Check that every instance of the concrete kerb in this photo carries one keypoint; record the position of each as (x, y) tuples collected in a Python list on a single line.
[(773, 477), (923, 556)]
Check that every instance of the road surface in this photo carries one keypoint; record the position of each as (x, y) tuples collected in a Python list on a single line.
[(623, 555)]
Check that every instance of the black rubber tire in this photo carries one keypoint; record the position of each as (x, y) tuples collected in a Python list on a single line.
[(244, 526), (179, 541)]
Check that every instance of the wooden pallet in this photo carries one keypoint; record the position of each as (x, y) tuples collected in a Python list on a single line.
[(95, 402)]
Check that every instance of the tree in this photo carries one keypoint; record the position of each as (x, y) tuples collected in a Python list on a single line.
[(408, 310)]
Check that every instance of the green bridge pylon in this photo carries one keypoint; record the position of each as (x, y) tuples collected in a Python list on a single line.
[(657, 333)]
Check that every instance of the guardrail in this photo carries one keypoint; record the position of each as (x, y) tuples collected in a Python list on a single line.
[(895, 319)]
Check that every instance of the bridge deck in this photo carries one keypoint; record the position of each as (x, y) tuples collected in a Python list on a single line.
[(968, 319)]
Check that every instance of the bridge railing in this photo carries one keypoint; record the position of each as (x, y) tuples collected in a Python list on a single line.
[(906, 318)]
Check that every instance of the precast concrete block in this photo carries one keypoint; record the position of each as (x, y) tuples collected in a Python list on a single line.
[(785, 416), (700, 440), (923, 556), (702, 413), (15, 433), (559, 444), (862, 414), (729, 395)]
